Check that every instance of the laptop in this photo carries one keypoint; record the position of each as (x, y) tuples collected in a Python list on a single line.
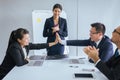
[(37, 57), (35, 63), (55, 57), (36, 60)]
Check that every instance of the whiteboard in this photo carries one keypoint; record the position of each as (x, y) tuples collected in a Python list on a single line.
[(38, 20)]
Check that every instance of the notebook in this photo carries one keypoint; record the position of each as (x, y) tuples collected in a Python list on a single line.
[(76, 61)]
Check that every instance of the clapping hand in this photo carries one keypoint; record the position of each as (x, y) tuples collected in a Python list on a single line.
[(58, 38), (53, 43), (92, 52), (56, 28)]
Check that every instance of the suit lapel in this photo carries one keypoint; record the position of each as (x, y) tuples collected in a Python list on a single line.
[(59, 22), (101, 42), (92, 43), (52, 21), (21, 51)]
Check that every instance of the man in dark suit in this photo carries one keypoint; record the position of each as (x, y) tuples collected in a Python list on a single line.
[(103, 43), (111, 68)]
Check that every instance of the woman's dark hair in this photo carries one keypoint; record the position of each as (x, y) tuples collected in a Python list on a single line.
[(57, 6), (17, 34)]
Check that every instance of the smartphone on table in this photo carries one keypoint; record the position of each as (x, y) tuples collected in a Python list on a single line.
[(83, 75)]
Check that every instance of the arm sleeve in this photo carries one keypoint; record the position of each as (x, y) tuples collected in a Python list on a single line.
[(18, 57), (78, 42), (111, 74), (106, 52), (97, 62), (47, 32), (38, 46)]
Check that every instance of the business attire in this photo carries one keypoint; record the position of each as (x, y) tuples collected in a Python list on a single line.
[(57, 49), (111, 69), (105, 47), (15, 56)]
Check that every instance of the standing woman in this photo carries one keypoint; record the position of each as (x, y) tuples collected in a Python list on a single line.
[(53, 25), (18, 49)]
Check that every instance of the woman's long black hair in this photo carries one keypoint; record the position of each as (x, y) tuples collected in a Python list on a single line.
[(17, 34)]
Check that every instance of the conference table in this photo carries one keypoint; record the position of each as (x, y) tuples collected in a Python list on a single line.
[(57, 69)]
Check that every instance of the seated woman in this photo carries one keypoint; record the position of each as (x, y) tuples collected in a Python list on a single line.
[(18, 49)]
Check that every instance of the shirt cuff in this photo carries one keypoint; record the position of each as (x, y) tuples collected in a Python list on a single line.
[(97, 62), (63, 42)]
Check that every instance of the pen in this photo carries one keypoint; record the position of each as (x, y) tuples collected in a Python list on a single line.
[(82, 58), (74, 66)]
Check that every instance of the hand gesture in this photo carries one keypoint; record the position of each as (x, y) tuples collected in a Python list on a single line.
[(53, 43), (56, 28), (92, 52), (58, 38), (27, 59)]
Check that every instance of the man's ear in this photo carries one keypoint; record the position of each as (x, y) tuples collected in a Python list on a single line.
[(101, 33)]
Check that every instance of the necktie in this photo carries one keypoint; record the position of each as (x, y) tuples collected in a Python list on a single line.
[(116, 52), (94, 44)]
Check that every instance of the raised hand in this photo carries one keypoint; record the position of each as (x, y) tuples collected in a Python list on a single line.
[(58, 38), (53, 43), (92, 52), (56, 28)]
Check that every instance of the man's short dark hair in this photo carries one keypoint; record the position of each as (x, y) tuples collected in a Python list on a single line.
[(99, 27)]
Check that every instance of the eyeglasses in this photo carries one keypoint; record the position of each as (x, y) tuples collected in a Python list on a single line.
[(94, 32), (116, 31)]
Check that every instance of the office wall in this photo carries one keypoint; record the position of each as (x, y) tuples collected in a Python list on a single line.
[(80, 14), (18, 13), (105, 11)]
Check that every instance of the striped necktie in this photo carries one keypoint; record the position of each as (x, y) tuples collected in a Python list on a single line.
[(94, 44)]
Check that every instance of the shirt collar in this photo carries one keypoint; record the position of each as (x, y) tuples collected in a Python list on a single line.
[(98, 42)]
